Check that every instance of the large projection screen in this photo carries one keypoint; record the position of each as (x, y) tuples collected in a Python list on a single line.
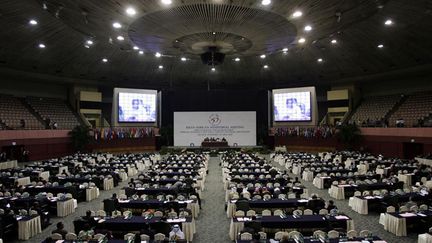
[(133, 107), (294, 106), (238, 128)]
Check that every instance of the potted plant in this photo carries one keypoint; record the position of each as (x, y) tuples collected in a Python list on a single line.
[(80, 137), (349, 135)]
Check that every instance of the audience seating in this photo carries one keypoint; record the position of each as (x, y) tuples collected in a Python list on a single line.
[(416, 106), (12, 111), (374, 109)]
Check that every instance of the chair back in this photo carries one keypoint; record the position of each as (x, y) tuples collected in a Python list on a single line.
[(352, 234), (333, 234), (56, 236), (266, 212), (280, 234), (129, 236), (145, 237), (71, 236), (239, 213), (364, 233), (307, 212), (323, 211), (391, 209), (159, 237), (246, 236)]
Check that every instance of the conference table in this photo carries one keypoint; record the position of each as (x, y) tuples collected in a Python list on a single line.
[(8, 164), (156, 204), (396, 223), (341, 192), (323, 182), (263, 204), (135, 223), (424, 238), (373, 239), (28, 227), (292, 222)]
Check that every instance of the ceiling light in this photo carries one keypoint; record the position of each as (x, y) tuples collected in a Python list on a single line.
[(388, 22), (166, 2), (141, 52), (380, 46), (87, 46), (183, 59), (265, 66), (120, 38), (104, 60), (130, 11), (157, 54), (33, 22), (136, 48), (334, 41), (297, 14), (265, 2), (213, 69), (302, 40), (89, 42), (117, 25), (214, 33), (285, 49), (319, 60), (263, 56), (237, 59), (160, 67), (308, 28), (42, 46)]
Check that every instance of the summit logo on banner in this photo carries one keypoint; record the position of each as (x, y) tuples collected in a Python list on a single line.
[(237, 128)]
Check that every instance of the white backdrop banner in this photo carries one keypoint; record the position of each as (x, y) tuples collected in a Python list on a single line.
[(236, 127)]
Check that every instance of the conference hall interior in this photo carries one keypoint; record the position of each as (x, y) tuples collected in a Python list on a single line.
[(225, 121)]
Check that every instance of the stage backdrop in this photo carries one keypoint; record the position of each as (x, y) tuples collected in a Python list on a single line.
[(236, 127)]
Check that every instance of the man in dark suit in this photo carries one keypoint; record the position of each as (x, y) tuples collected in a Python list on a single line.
[(60, 230), (316, 204)]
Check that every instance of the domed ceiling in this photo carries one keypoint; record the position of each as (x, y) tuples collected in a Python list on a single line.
[(155, 43)]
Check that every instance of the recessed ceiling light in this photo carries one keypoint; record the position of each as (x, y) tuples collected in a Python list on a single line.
[(160, 67), (380, 46), (87, 46), (89, 42), (308, 28), (265, 66), (302, 40), (136, 48), (334, 41), (157, 54), (120, 38), (33, 22), (141, 52), (388, 22), (265, 2), (42, 46), (117, 25), (213, 69), (319, 60), (297, 14), (130, 11), (104, 60), (263, 56), (214, 33), (237, 59), (285, 49), (166, 2), (183, 59)]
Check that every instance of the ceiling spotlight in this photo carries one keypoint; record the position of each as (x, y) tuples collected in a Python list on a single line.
[(136, 48), (297, 14), (141, 52), (265, 2), (388, 22), (319, 60), (380, 46), (42, 46), (263, 56), (334, 41), (265, 66), (33, 22), (160, 67), (87, 46), (120, 38), (302, 40), (130, 11), (183, 59), (104, 60), (285, 49), (237, 59), (89, 42), (308, 28), (213, 69), (166, 2), (117, 25), (157, 54), (214, 33)]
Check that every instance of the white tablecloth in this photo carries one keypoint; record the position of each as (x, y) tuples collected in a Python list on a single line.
[(337, 192), (23, 181), (424, 161), (108, 184), (123, 175), (194, 207), (296, 169), (359, 205), (406, 178), (189, 230), (65, 208), (319, 181), (44, 175), (424, 238), (308, 175), (8, 164), (29, 228), (92, 193), (395, 225)]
